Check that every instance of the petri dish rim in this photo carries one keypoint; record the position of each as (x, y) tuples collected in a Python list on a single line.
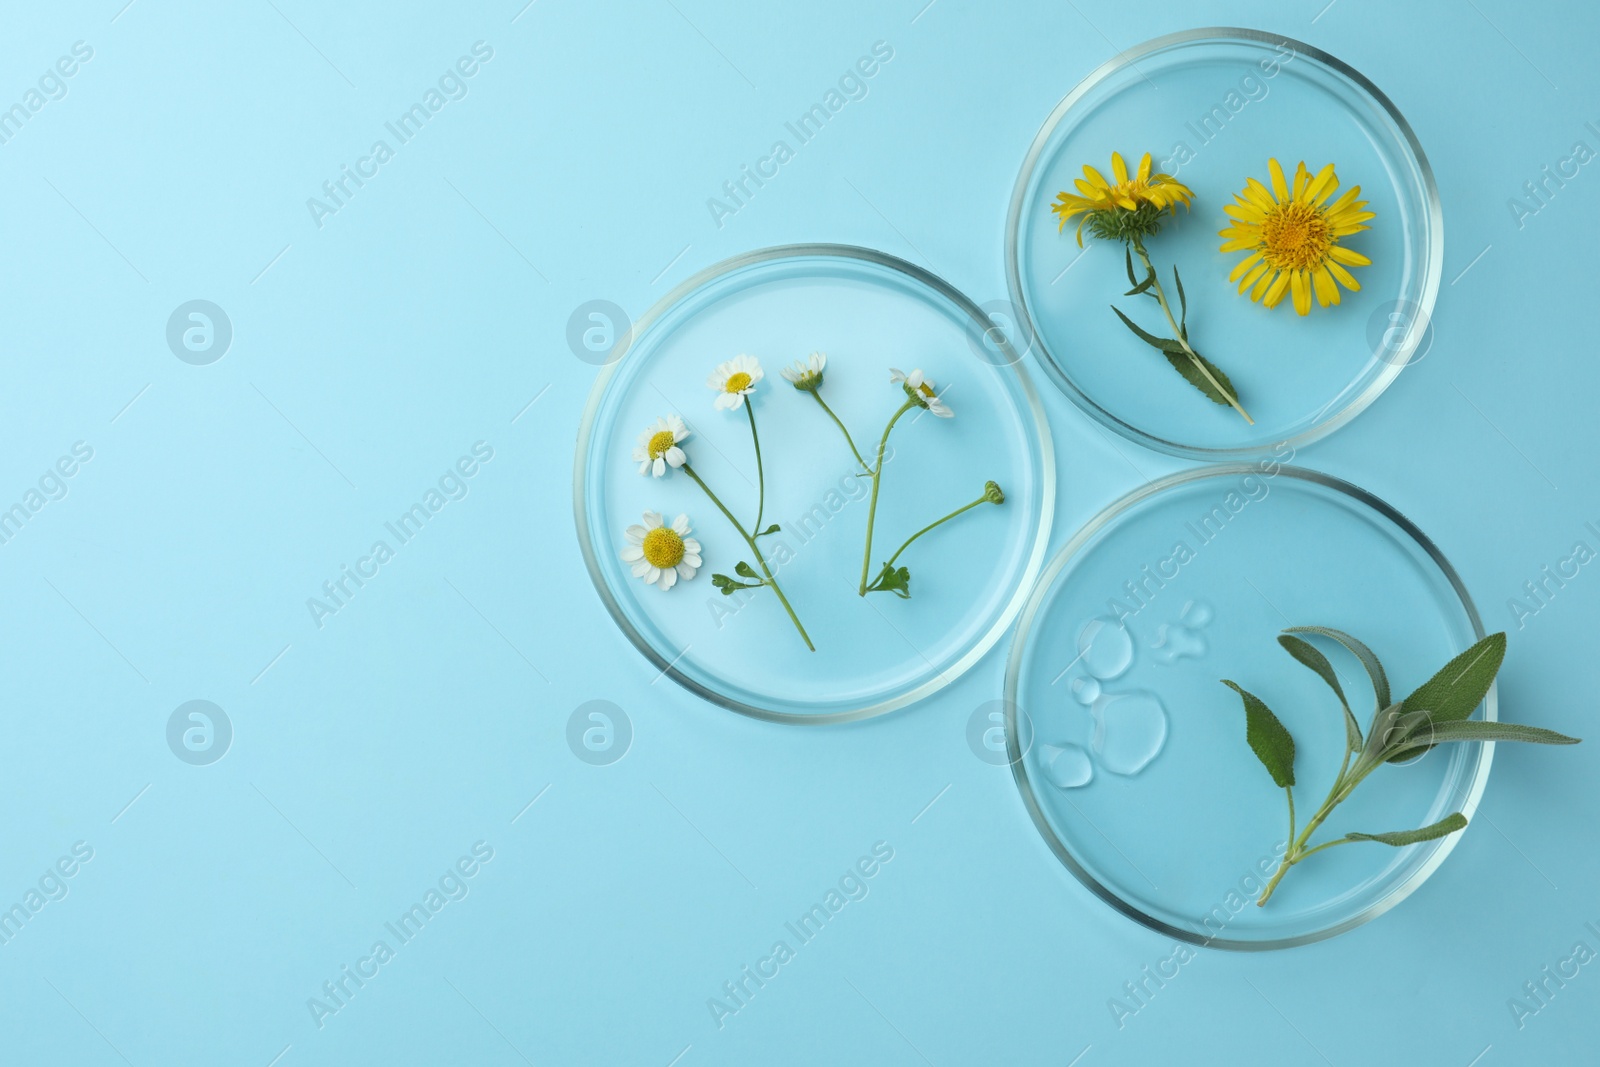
[(1027, 393), (1439, 849), (1433, 268)]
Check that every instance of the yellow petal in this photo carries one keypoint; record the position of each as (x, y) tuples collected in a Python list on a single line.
[(1237, 244), (1144, 168), (1275, 291), (1346, 255), (1244, 264), (1323, 185), (1255, 277), (1096, 177), (1346, 279), (1302, 178), (1279, 187), (1119, 169), (1302, 293), (1327, 291)]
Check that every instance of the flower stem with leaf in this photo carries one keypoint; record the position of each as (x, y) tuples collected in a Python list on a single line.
[(744, 570), (1438, 712), (899, 581)]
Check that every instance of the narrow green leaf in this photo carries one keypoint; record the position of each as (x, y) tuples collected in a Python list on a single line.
[(1440, 733), (1144, 335), (1380, 681), (1183, 303), (1268, 738), (1447, 825), (1140, 287), (1127, 254), (1455, 692), (1184, 365), (1308, 654)]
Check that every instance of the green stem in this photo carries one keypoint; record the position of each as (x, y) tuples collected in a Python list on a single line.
[(815, 395), (760, 559), (761, 475), (1341, 789), (877, 476), (1178, 333), (965, 507)]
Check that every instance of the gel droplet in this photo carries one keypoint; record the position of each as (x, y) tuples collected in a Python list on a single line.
[(1183, 639), (1067, 766), (1197, 613), (1130, 729), (1086, 690), (1105, 648)]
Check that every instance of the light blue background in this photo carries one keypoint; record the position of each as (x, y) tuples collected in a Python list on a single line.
[(425, 316)]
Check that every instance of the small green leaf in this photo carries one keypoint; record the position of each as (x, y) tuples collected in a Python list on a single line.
[(1184, 364), (1268, 738), (1141, 286), (1144, 335), (1380, 681), (1127, 255), (1183, 303), (744, 570), (1447, 825), (1311, 657), (769, 530), (1455, 692), (728, 586), (896, 580)]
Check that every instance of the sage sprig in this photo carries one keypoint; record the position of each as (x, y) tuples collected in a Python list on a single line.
[(1437, 712)]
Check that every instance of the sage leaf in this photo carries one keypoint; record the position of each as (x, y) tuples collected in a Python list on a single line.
[(1455, 692), (1380, 681), (1309, 655), (1439, 733), (1185, 365), (1445, 826), (1268, 738)]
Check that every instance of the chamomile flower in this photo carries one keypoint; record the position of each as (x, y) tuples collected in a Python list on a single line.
[(662, 554), (921, 390), (806, 374), (733, 381), (658, 446)]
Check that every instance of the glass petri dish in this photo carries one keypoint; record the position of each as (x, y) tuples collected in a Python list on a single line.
[(1136, 768), (1211, 106), (868, 312)]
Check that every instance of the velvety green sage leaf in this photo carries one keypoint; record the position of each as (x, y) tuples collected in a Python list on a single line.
[(1309, 655), (1447, 825), (1440, 733), (1184, 364), (1380, 681), (1455, 692), (1269, 739)]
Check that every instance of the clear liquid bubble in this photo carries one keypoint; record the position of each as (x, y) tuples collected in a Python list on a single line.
[(1130, 729), (1105, 648), (1183, 639), (1086, 690), (1067, 766)]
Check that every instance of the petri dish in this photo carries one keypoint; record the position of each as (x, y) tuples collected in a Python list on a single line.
[(1211, 106), (868, 312), (1136, 769)]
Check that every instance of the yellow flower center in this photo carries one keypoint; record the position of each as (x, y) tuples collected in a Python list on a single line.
[(663, 548), (926, 389), (737, 382), (1295, 236), (661, 443)]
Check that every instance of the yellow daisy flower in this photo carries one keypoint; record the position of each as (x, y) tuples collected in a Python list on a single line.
[(1292, 235), (1102, 203)]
